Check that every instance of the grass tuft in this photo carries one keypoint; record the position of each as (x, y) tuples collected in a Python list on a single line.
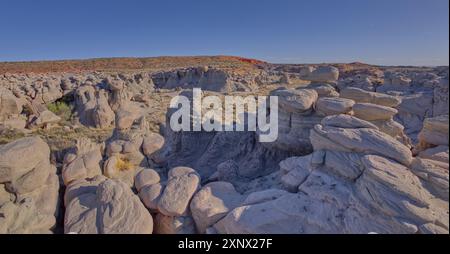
[(123, 164)]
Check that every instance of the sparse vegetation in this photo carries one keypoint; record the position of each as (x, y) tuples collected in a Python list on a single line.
[(123, 164), (59, 139), (8, 135), (61, 109), (111, 64)]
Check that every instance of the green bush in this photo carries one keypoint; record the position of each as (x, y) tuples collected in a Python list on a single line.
[(61, 109)]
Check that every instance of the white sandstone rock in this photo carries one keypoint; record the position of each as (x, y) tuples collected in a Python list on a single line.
[(296, 101), (347, 121), (367, 141), (362, 96), (145, 178), (174, 225), (323, 74), (108, 207), (28, 187), (438, 153), (212, 203), (333, 106), (181, 185), (371, 112), (85, 163), (435, 131)]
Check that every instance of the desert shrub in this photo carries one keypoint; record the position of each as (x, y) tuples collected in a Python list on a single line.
[(123, 164), (61, 109)]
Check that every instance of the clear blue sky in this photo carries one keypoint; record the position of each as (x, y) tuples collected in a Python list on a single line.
[(393, 32)]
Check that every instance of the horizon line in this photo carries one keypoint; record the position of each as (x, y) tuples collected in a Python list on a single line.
[(205, 56)]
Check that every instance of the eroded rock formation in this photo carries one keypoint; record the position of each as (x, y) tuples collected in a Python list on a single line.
[(357, 152), (28, 187)]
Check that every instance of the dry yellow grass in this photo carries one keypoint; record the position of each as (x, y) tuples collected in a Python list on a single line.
[(123, 164)]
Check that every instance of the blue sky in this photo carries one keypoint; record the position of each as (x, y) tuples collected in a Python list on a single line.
[(391, 32)]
